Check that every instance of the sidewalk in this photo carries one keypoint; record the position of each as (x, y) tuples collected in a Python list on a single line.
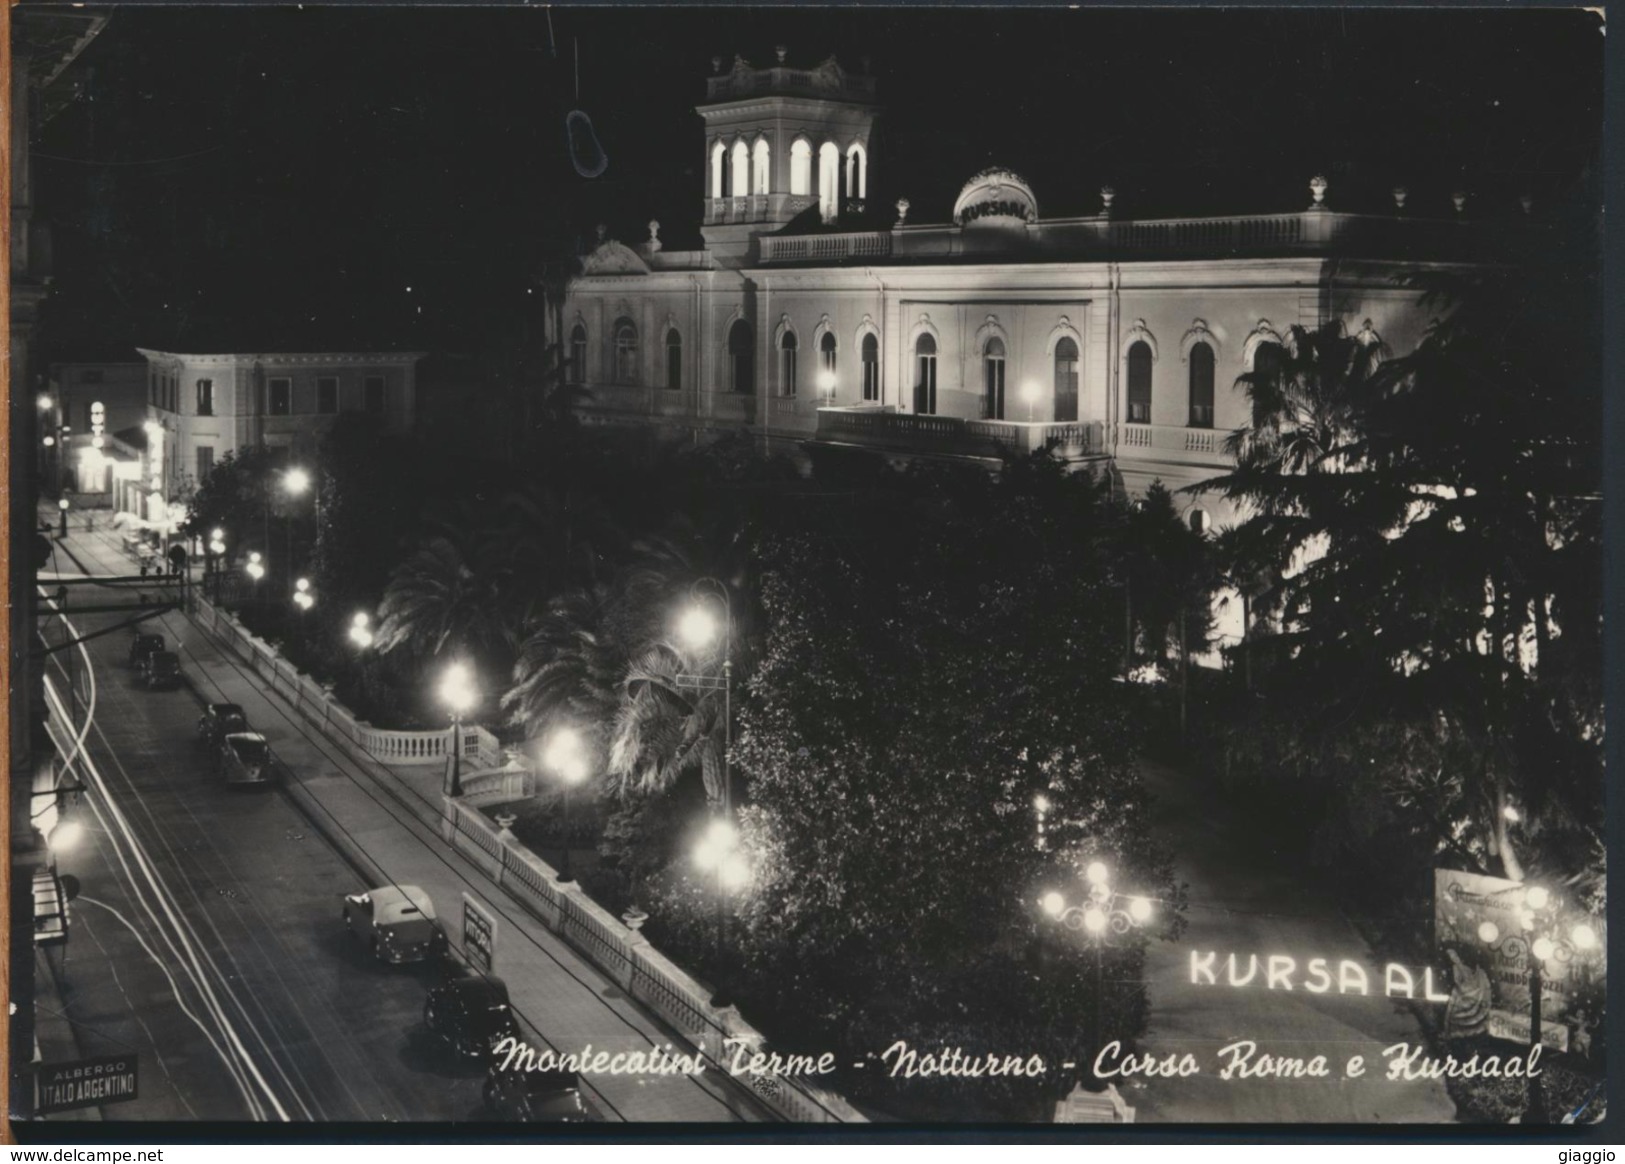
[(384, 820)]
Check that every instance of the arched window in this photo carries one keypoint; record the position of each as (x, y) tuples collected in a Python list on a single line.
[(829, 179), (925, 381), (1066, 379), (871, 367), (993, 379), (801, 167), (759, 182), (1201, 361), (826, 364), (787, 363), (1267, 360), (626, 352), (719, 157), (1139, 382), (674, 359), (857, 171), (578, 355), (741, 170), (1199, 521), (742, 358)]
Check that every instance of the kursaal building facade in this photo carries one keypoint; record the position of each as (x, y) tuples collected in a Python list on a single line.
[(1114, 341)]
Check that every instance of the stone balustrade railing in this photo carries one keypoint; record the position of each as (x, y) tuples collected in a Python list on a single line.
[(627, 957), (481, 749), (955, 435)]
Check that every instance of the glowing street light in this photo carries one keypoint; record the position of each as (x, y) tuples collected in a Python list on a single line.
[(1029, 393), (255, 568), (303, 596), (458, 693), (361, 629), (697, 626), (49, 441), (826, 384), (565, 755), (44, 402), (66, 836), (296, 481)]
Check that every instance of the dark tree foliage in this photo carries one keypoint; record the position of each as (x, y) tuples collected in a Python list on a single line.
[(935, 657), (1432, 524)]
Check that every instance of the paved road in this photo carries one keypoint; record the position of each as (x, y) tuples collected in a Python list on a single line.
[(1246, 899), (257, 889)]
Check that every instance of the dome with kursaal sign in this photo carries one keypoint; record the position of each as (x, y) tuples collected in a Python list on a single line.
[(996, 197)]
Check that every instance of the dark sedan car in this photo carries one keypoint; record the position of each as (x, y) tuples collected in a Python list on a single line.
[(245, 758), (470, 1015), (536, 1097), (161, 669), (143, 645), (220, 720)]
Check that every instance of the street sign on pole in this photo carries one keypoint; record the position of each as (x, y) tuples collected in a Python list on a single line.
[(86, 1083), (479, 935)]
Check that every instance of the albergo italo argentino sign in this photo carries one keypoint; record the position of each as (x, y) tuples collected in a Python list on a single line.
[(86, 1083)]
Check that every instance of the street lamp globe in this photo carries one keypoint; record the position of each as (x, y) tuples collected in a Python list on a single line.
[(1488, 932), (733, 872), (50, 441), (1054, 904), (296, 481), (44, 402), (1585, 938), (1542, 948), (698, 626), (1096, 873), (62, 504), (1536, 897), (457, 688), (1041, 802), (566, 755), (826, 382), (1094, 919), (1139, 909)]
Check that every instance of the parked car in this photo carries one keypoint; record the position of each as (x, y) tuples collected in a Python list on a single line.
[(395, 922), (470, 1015), (161, 669), (536, 1097), (245, 758), (143, 645), (220, 720)]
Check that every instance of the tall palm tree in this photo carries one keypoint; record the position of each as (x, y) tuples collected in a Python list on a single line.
[(436, 599)]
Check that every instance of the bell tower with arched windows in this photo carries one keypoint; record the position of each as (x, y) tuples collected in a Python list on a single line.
[(783, 144)]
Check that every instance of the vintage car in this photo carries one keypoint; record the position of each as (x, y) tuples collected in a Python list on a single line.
[(470, 1015), (537, 1097), (395, 922), (245, 758), (220, 720), (161, 669), (143, 645)]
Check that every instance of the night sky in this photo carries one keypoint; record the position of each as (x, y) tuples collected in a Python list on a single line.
[(262, 179)]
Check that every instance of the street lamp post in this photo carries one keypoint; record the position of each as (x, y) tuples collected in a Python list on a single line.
[(826, 386), (62, 510), (698, 628), (1541, 942), (215, 563), (566, 757), (1029, 393), (1104, 914), (361, 629), (458, 694)]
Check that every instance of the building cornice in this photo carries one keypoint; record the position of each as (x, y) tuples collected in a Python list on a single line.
[(283, 359)]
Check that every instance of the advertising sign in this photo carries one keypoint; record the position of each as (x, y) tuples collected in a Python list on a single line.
[(1490, 915), (479, 935), (86, 1083)]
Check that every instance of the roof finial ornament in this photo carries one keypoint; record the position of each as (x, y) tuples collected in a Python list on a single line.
[(902, 211), (1459, 198), (781, 52), (1527, 201), (1318, 187), (602, 231), (1106, 196), (716, 64), (654, 243), (1400, 194)]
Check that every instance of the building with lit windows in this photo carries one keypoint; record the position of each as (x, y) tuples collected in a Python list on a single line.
[(201, 407), (1115, 341)]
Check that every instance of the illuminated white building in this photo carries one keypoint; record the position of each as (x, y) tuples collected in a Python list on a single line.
[(1119, 340)]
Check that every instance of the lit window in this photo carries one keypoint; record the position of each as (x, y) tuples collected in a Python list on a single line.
[(205, 397), (327, 394), (801, 168), (1201, 361), (829, 177), (674, 360), (827, 353), (626, 352), (857, 172), (759, 181), (719, 157), (787, 364), (925, 382), (993, 379), (871, 367), (1139, 382), (741, 170), (1066, 380)]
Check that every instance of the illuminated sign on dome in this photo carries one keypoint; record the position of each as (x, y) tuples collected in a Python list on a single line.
[(996, 197)]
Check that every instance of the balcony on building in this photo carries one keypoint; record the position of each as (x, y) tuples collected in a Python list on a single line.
[(882, 429)]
